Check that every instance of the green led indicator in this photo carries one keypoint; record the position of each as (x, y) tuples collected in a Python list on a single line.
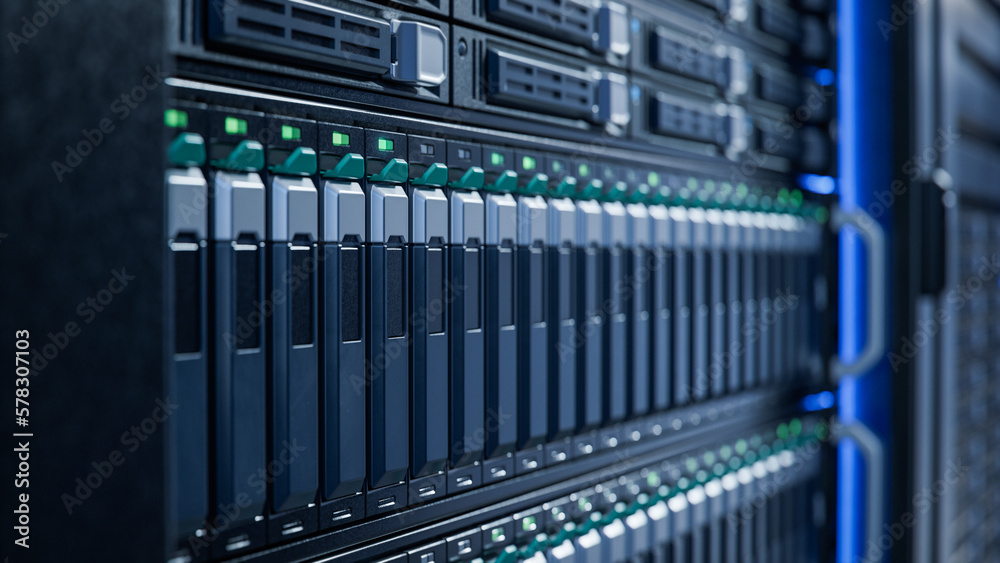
[(782, 431), (175, 118), (821, 431), (341, 139), (583, 503), (726, 188), (796, 198), (755, 441), (557, 166), (385, 144), (528, 524), (701, 476), (710, 185), (683, 483), (795, 427), (742, 191), (497, 534), (497, 159), (528, 163), (822, 214), (653, 179), (709, 458), (741, 447), (692, 464), (236, 126), (726, 452), (290, 133), (653, 479), (583, 169)]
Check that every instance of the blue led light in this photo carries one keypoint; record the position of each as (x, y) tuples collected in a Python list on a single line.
[(818, 184), (819, 401), (824, 77)]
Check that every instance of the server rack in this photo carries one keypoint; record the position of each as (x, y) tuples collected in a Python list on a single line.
[(294, 162), (944, 161)]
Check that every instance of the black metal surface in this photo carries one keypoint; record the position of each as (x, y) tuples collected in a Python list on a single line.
[(946, 208), (75, 230)]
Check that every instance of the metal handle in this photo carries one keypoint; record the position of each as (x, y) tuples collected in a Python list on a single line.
[(874, 453), (871, 232)]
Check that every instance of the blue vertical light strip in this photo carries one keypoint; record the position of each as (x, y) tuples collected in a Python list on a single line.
[(865, 167)]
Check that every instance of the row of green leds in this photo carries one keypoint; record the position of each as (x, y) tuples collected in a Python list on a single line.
[(178, 119), (710, 194), (727, 460)]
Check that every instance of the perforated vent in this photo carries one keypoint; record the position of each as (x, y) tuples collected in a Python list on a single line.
[(520, 81), (566, 19), (678, 120), (680, 57), (972, 389), (777, 86), (307, 31)]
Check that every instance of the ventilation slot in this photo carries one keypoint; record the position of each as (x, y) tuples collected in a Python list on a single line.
[(565, 19), (304, 37), (667, 118), (258, 27), (275, 7), (686, 59), (360, 29), (300, 14), (778, 87), (307, 31), (477, 48), (523, 82)]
